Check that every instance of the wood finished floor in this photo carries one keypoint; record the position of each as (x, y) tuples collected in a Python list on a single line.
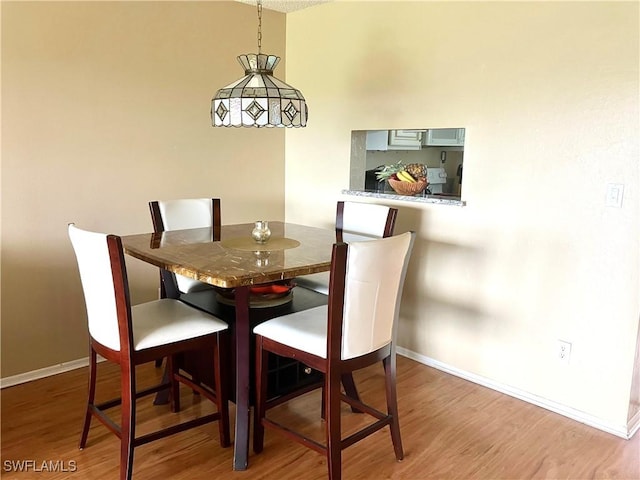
[(451, 429)]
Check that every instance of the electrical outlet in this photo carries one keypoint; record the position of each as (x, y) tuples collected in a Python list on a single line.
[(563, 351)]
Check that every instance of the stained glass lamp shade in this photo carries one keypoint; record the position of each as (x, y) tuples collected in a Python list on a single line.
[(258, 99)]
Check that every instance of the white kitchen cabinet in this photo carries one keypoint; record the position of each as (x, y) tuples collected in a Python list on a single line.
[(406, 139), (377, 140), (444, 137), (394, 139)]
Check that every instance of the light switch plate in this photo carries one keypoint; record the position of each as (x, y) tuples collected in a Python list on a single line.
[(614, 195)]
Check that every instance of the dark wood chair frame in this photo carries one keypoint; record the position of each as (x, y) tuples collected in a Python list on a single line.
[(128, 359), (334, 369)]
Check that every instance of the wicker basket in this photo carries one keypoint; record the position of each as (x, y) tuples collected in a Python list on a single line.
[(407, 188)]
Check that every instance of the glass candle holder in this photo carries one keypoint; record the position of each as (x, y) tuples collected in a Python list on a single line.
[(261, 232)]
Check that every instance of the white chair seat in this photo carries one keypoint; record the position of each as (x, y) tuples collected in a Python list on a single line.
[(165, 321), (318, 282), (305, 330), (189, 285)]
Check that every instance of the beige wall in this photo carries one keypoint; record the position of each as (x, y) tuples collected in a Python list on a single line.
[(548, 94), (105, 106)]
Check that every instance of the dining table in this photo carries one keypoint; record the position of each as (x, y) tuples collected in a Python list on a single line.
[(233, 261)]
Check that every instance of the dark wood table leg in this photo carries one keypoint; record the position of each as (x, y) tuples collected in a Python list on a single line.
[(243, 381)]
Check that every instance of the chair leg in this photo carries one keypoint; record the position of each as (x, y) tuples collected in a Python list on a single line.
[(90, 398), (128, 423), (350, 390), (162, 397), (222, 394), (332, 425), (261, 395), (389, 365), (174, 395)]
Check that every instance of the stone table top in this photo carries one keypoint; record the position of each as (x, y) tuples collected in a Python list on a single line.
[(192, 253)]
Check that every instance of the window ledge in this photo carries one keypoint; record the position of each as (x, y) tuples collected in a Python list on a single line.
[(436, 199)]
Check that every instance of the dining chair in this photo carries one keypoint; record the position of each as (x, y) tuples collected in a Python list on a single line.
[(356, 329), (180, 214), (353, 221), (132, 335)]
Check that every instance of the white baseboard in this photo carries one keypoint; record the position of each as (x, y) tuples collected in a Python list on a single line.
[(624, 431), (45, 372)]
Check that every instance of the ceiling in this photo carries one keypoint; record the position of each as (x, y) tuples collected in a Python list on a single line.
[(285, 6)]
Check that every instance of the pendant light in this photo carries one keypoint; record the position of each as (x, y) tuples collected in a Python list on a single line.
[(258, 99)]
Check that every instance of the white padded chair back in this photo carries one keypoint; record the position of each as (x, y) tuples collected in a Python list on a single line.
[(364, 218), (182, 214), (186, 213), (374, 279), (96, 276)]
